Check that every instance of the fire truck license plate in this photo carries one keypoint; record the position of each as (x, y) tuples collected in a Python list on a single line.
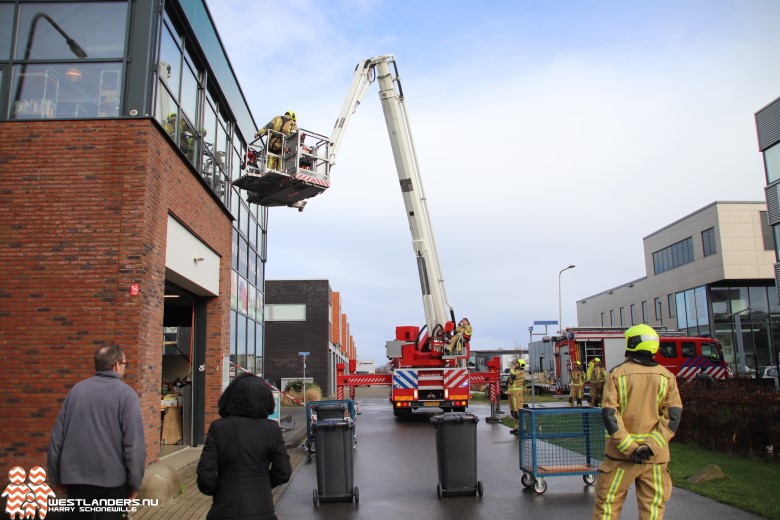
[(431, 403)]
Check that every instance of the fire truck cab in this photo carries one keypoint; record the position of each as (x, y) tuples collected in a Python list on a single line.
[(684, 356)]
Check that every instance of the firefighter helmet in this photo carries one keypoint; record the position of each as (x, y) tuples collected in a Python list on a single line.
[(642, 338), (577, 363), (596, 360), (521, 362), (291, 113)]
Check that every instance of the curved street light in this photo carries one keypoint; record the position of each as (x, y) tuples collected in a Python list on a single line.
[(560, 312)]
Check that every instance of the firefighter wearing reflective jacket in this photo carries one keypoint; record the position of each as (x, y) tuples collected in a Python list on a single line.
[(641, 412), (279, 126), (515, 386), (597, 376), (577, 384)]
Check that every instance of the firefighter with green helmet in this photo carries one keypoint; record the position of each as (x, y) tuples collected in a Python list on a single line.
[(576, 383), (279, 127), (597, 376), (515, 388), (641, 411)]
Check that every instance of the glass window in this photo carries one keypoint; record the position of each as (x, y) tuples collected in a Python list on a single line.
[(644, 312), (242, 257), (189, 93), (668, 349), (772, 163), (690, 309), (622, 319), (6, 30), (94, 29), (252, 267), (602, 320), (759, 305), (766, 232), (776, 233), (688, 349), (241, 341), (250, 346), (659, 315), (66, 91), (670, 304), (285, 312), (169, 68), (682, 322), (708, 241), (702, 316), (233, 320), (611, 318), (633, 314), (711, 351)]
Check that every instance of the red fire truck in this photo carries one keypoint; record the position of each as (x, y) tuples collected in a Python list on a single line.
[(684, 356)]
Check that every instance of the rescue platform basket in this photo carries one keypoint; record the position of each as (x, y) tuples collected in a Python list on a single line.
[(560, 441)]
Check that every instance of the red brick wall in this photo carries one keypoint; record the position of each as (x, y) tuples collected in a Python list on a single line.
[(335, 336), (85, 209)]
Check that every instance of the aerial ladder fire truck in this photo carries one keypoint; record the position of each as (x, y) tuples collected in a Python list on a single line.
[(424, 374)]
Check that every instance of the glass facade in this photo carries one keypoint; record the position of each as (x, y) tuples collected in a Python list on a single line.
[(772, 163), (80, 60)]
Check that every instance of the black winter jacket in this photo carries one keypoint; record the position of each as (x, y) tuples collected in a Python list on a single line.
[(244, 456)]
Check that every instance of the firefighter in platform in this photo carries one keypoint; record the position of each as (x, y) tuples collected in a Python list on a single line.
[(279, 126), (577, 384), (641, 412), (515, 386), (461, 337), (597, 376)]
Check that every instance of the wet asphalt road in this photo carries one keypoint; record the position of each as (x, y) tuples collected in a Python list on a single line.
[(395, 469)]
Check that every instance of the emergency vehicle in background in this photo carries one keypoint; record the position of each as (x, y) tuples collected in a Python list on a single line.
[(684, 356), (422, 375)]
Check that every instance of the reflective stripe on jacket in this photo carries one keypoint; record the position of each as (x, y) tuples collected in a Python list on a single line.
[(641, 405)]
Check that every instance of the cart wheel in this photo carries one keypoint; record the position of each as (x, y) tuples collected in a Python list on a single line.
[(316, 498), (357, 495), (439, 491), (527, 480), (540, 486), (479, 488), (589, 479)]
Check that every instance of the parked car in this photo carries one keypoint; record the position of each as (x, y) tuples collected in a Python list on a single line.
[(771, 373)]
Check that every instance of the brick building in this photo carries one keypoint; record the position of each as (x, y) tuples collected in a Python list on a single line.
[(120, 225), (306, 316)]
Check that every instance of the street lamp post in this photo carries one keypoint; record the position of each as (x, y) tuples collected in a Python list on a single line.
[(560, 312), (303, 355)]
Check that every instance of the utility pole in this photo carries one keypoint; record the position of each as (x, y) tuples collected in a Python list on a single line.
[(303, 355)]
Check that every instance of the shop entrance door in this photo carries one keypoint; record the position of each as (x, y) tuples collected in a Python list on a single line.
[(181, 388)]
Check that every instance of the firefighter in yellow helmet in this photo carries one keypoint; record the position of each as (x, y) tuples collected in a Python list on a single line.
[(597, 375), (515, 386), (577, 383), (462, 337), (641, 412), (277, 128)]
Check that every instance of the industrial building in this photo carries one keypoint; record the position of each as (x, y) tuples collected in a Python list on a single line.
[(708, 273)]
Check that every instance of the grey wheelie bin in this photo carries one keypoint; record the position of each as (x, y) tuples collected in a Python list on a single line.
[(456, 454), (335, 463)]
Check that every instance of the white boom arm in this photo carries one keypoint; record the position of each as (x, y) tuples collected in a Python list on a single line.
[(437, 309)]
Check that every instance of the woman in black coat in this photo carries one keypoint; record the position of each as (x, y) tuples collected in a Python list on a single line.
[(244, 456)]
